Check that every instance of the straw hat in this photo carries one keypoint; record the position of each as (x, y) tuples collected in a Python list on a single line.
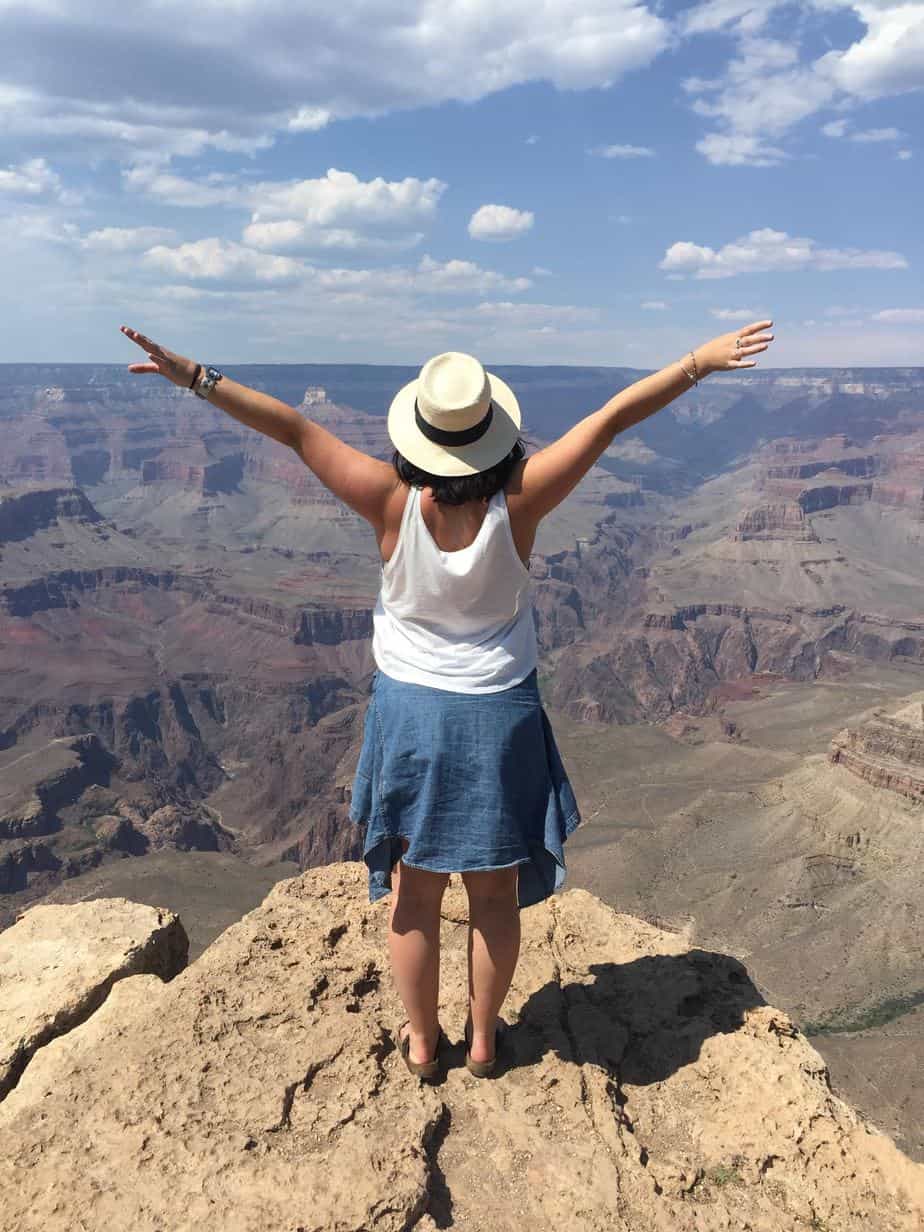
[(455, 418)]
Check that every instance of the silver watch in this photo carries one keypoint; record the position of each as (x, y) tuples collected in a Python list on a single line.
[(207, 382)]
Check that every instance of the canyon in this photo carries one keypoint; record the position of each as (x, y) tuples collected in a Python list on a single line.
[(729, 610)]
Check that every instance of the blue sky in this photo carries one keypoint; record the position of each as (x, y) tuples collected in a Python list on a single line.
[(603, 183)]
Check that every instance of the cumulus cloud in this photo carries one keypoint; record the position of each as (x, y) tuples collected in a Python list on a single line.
[(499, 222), (766, 89), (622, 151), (215, 258), (654, 305), (764, 250), (904, 155), (336, 210)]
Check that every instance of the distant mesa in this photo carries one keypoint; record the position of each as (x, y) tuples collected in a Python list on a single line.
[(785, 520), (887, 750)]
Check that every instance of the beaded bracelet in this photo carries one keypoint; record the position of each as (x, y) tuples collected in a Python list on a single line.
[(693, 378)]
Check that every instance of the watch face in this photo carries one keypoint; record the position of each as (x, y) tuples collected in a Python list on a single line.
[(212, 373)]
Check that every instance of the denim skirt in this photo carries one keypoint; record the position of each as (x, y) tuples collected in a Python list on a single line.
[(472, 781)]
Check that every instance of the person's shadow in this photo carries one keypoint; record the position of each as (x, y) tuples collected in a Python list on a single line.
[(640, 1021)]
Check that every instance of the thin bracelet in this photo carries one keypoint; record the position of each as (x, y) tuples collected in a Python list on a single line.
[(685, 373), (195, 376), (695, 369)]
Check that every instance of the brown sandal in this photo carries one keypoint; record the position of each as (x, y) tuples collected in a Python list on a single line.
[(422, 1069), (483, 1069)]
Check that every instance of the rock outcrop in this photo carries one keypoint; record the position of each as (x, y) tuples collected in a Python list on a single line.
[(25, 511), (647, 1086), (887, 751), (786, 520), (58, 965)]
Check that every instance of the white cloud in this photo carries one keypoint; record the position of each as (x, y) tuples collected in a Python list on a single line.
[(509, 313), (713, 15), (838, 128), (453, 277), (766, 90), (766, 250), (215, 258), (904, 155), (341, 197), (834, 128), (900, 316), (622, 151), (309, 120), (499, 222), (877, 134), (217, 188), (35, 178), (738, 150), (334, 211), (103, 75), (127, 239), (466, 277), (532, 140), (739, 314), (889, 59), (654, 305)]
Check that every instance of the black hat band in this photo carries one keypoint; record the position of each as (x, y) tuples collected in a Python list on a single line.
[(466, 436)]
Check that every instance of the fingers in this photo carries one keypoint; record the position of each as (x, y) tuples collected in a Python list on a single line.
[(143, 368), (145, 343), (754, 326)]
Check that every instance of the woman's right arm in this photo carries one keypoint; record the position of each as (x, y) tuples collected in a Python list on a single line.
[(550, 474)]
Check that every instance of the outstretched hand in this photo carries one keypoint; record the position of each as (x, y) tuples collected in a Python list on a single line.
[(721, 354), (176, 368)]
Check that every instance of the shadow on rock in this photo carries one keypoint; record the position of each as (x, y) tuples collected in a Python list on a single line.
[(641, 1021)]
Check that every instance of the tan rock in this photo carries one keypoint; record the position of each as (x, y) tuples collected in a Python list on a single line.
[(58, 964), (886, 750), (648, 1089)]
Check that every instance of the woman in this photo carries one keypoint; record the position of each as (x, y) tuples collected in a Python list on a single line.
[(458, 770)]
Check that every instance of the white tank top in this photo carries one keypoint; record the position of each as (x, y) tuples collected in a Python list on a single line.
[(461, 620)]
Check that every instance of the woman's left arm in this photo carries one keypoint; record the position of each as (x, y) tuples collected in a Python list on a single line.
[(360, 481)]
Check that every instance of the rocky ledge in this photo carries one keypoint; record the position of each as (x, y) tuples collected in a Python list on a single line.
[(647, 1086), (887, 750)]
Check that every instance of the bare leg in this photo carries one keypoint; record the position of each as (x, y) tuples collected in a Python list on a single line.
[(493, 950), (414, 944)]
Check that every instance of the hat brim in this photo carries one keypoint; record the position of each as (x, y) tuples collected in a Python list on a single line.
[(436, 459)]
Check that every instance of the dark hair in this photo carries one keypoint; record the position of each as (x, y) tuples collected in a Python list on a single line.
[(458, 489)]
